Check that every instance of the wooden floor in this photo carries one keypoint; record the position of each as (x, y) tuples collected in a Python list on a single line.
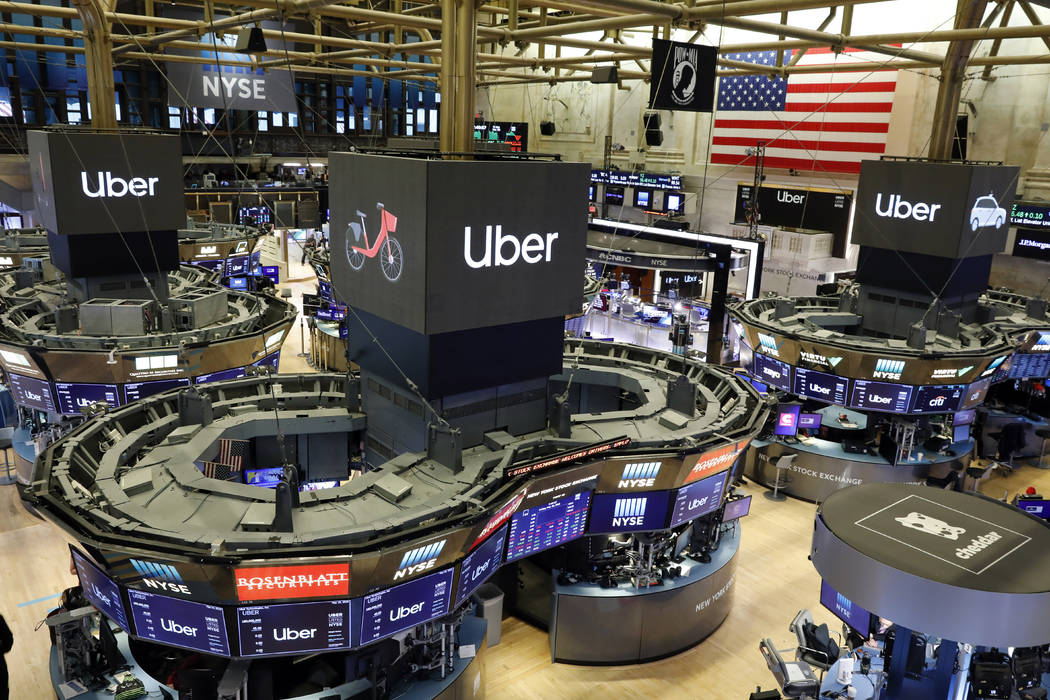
[(774, 580)]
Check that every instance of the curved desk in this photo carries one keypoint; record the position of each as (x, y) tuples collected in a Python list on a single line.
[(822, 467), (466, 681), (24, 448), (607, 626), (327, 349)]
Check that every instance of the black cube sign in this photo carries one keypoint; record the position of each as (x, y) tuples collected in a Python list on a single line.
[(919, 527), (86, 183), (439, 247), (949, 210)]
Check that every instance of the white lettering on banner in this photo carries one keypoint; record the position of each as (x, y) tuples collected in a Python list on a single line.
[(788, 198), (817, 389), (1029, 243), (414, 569), (246, 88), (402, 611), (33, 397), (176, 628), (289, 635), (110, 186), (704, 604), (824, 476), (533, 249), (167, 586), (978, 544), (899, 208), (280, 583), (6, 261), (875, 398)]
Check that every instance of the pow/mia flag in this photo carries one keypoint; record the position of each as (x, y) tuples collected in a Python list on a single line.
[(683, 76)]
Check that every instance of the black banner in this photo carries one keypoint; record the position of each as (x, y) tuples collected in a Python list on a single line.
[(1032, 243), (683, 76), (802, 208)]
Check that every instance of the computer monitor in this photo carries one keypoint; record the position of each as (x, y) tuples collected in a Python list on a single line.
[(613, 195), (846, 610), (960, 433), (787, 420), (592, 192), (964, 417), (674, 202), (809, 421), (1038, 508), (643, 198), (761, 387), (736, 509)]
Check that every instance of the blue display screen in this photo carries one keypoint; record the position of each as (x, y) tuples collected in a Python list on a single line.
[(699, 498), (295, 628), (212, 265), (975, 393), (1040, 509), (549, 525), (1030, 366), (73, 397), (235, 373), (736, 509), (772, 372), (820, 386), (809, 421), (410, 604), (140, 390), (180, 623), (100, 590), (324, 290), (846, 610), (271, 361), (238, 283), (272, 272), (35, 393), (480, 564), (787, 420), (269, 477), (881, 396), (617, 512), (937, 399), (237, 266)]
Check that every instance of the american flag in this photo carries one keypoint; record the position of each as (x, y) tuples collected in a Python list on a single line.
[(232, 453), (826, 122), (214, 470)]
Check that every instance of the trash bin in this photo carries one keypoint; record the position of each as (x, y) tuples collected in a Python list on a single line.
[(490, 598)]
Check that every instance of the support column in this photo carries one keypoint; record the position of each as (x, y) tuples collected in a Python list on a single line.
[(458, 39), (97, 55), (968, 16)]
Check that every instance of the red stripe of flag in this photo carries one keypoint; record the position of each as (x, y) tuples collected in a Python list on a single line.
[(806, 144), (838, 107), (825, 88), (853, 127)]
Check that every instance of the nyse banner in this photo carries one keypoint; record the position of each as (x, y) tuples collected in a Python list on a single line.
[(683, 76)]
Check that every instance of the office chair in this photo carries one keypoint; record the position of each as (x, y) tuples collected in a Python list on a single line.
[(795, 678), (991, 675), (815, 645), (1011, 441)]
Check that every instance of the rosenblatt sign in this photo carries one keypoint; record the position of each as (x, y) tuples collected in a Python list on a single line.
[(295, 581), (713, 462)]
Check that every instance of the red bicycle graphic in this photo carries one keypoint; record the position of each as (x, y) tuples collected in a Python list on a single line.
[(391, 259)]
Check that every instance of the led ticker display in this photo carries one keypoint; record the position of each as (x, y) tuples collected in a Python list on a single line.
[(394, 609), (480, 564), (548, 525), (140, 390), (772, 372), (514, 134), (881, 396), (626, 178), (619, 512), (179, 623), (73, 397), (100, 590), (294, 628), (698, 498), (35, 393), (938, 399), (1030, 366), (820, 386), (1030, 215)]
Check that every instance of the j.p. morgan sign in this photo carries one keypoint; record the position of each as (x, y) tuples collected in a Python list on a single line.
[(106, 183)]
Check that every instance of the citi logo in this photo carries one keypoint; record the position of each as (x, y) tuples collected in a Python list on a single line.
[(110, 186), (888, 369), (639, 474), (506, 250), (419, 559), (937, 401), (287, 634), (162, 577), (898, 208), (176, 628), (769, 344), (628, 512)]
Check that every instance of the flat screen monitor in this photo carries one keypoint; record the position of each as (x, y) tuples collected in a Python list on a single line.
[(256, 258), (294, 628), (480, 564), (613, 195), (938, 399), (179, 623), (73, 397), (99, 589), (736, 509), (674, 202), (1040, 508), (844, 609), (238, 283), (272, 361), (237, 266), (548, 525), (809, 421), (394, 609), (773, 372), (643, 199), (211, 265), (960, 433), (820, 386), (975, 393), (221, 375), (34, 393), (139, 390), (880, 396), (324, 290), (761, 387), (268, 477), (964, 417), (272, 272), (629, 512), (697, 499), (787, 420), (1026, 365), (592, 193)]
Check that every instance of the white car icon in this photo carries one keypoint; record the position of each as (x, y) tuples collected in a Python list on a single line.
[(986, 212)]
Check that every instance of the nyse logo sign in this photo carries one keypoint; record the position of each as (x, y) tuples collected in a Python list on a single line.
[(293, 581), (419, 559), (162, 577), (768, 344), (888, 369), (639, 475), (532, 249), (629, 512)]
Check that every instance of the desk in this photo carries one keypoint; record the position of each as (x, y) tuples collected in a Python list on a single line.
[(592, 625), (327, 349), (465, 682), (823, 467), (24, 448)]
